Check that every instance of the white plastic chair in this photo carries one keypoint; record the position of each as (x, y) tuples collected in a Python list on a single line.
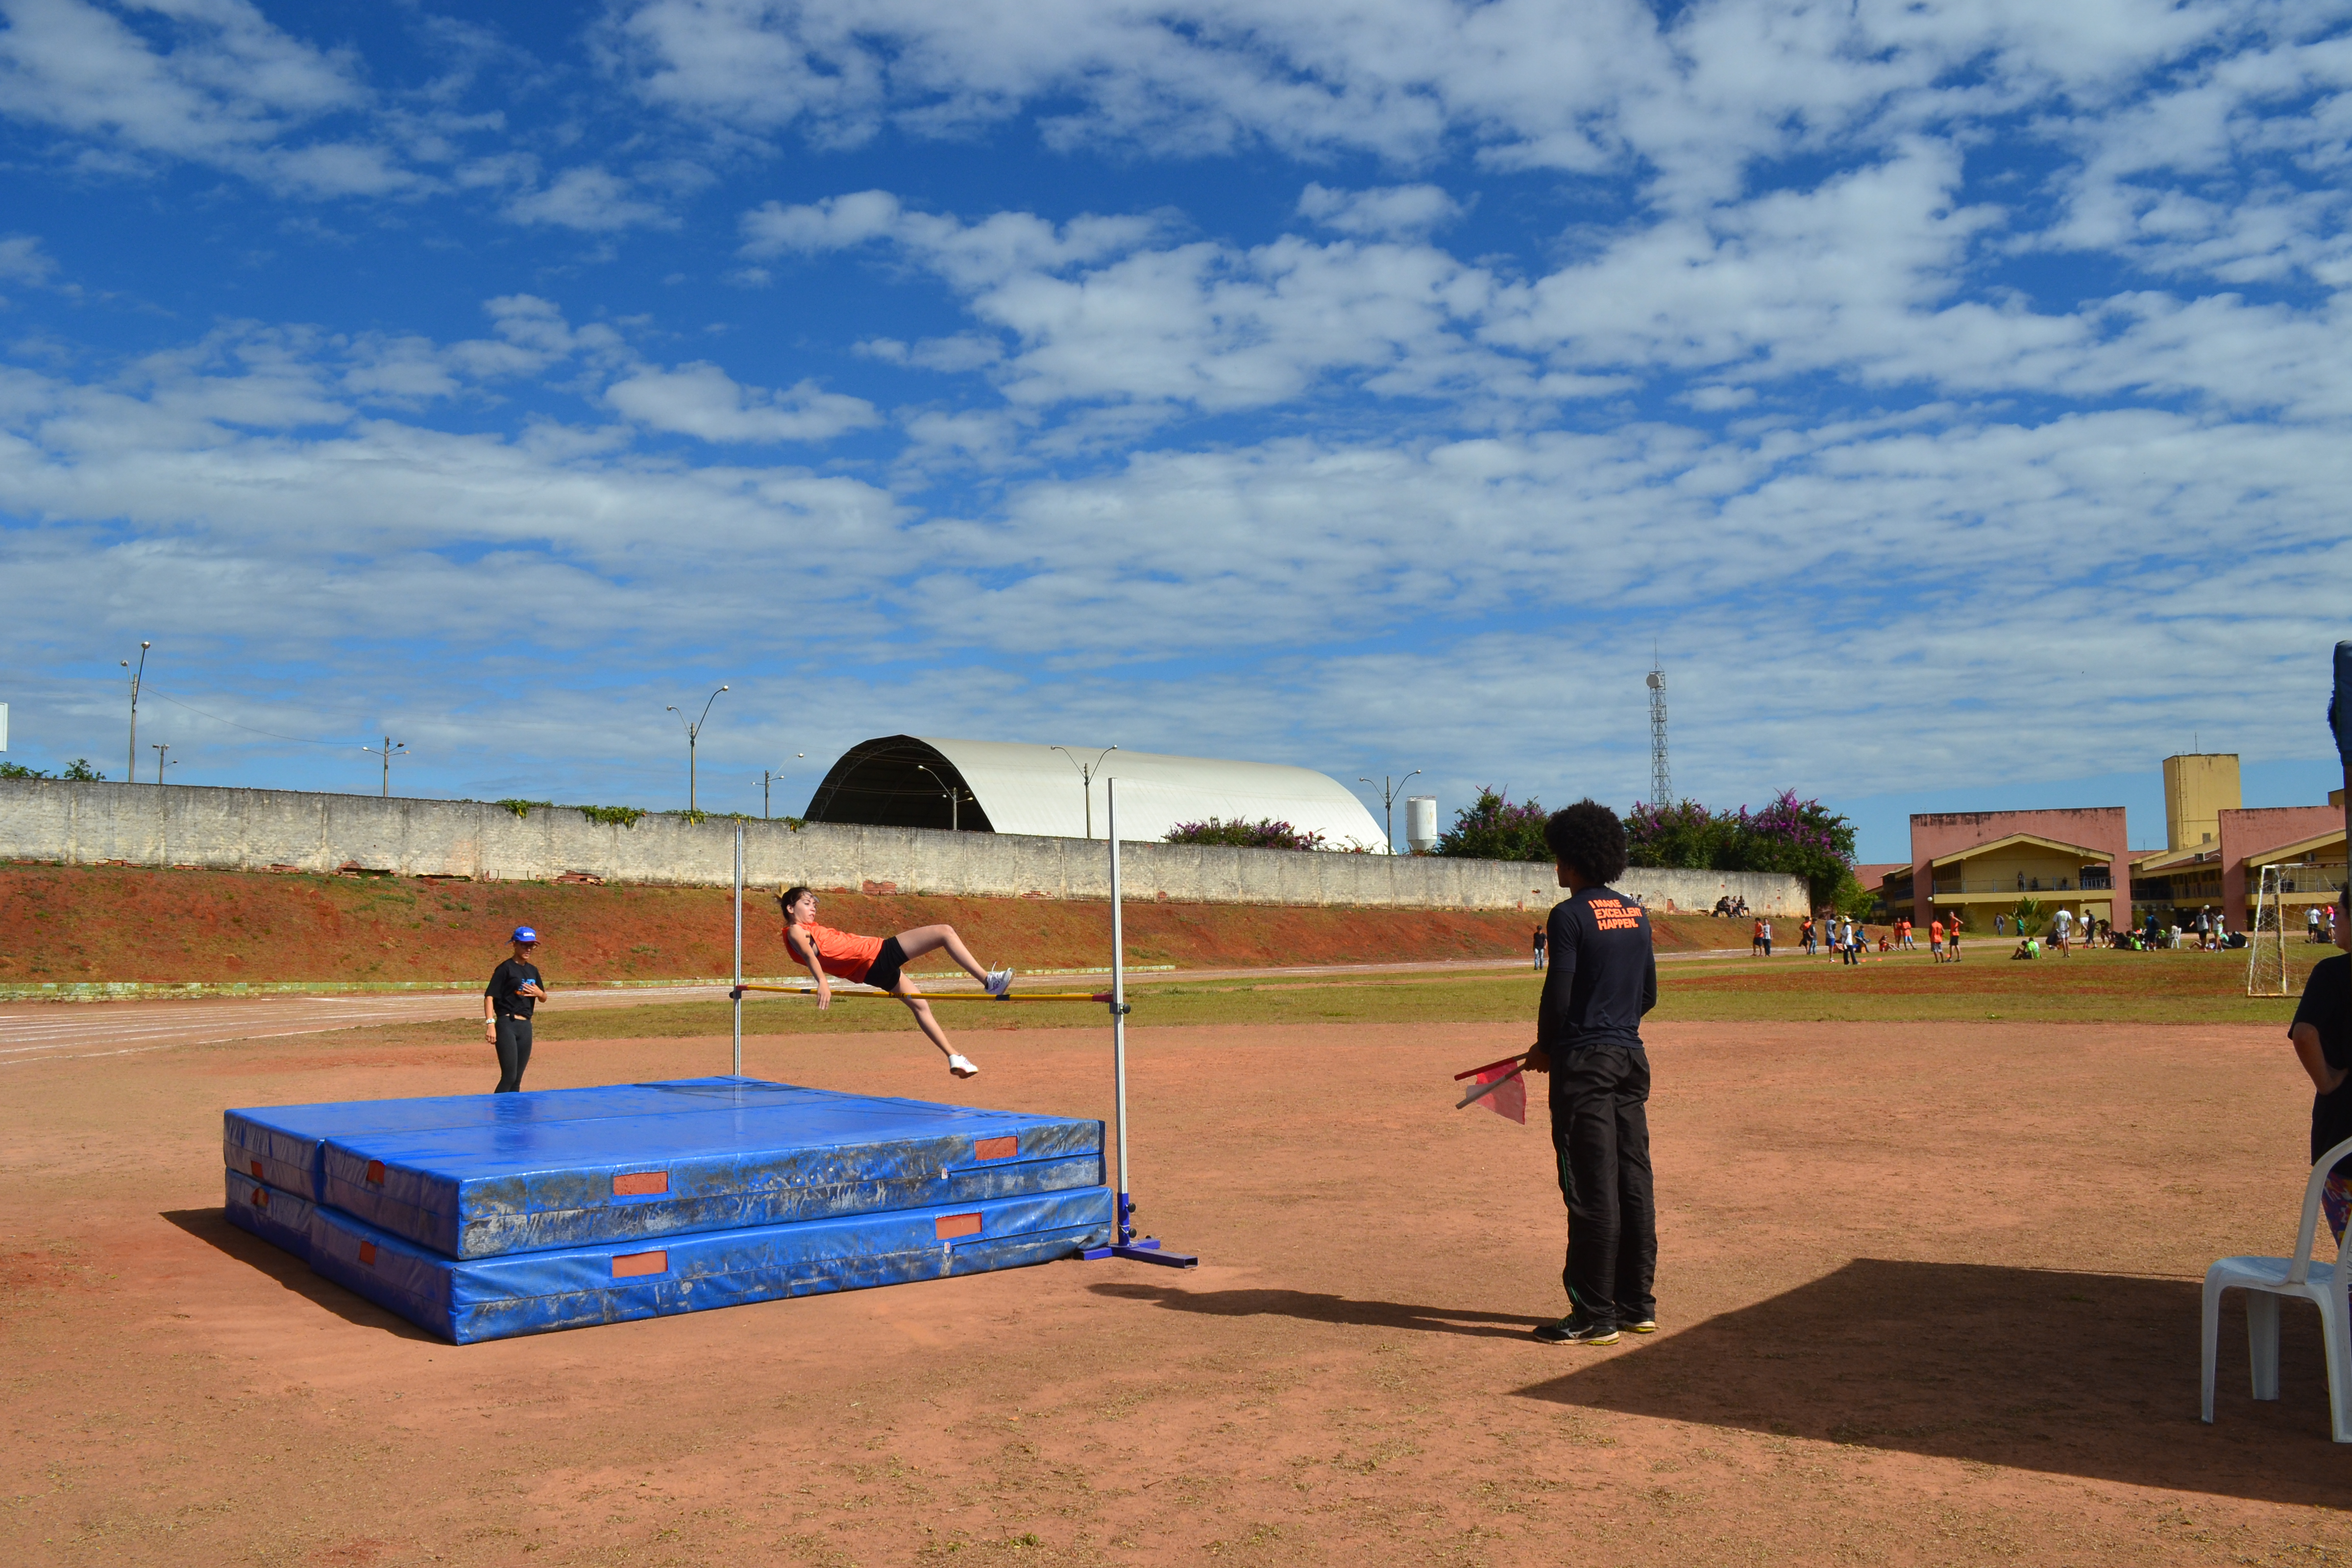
[(2264, 1280)]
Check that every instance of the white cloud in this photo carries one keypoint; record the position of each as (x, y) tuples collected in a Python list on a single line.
[(1868, 275), (1526, 83), (1402, 211), (1002, 246), (964, 351), (703, 401), (228, 89), (1101, 315), (2004, 314), (22, 260), (592, 199), (233, 491)]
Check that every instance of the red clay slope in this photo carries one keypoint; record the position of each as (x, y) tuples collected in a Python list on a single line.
[(67, 924)]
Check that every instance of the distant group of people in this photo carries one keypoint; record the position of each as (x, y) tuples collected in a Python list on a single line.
[(2208, 931), (1844, 938), (1730, 909), (2319, 924)]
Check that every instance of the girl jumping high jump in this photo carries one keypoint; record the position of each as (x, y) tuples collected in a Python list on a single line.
[(879, 962)]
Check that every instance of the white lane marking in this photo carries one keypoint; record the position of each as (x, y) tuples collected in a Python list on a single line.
[(217, 1026), (136, 1050)]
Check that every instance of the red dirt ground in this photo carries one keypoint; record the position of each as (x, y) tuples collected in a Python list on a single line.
[(1929, 1295), (113, 923)]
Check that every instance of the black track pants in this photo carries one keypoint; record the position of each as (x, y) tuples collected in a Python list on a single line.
[(514, 1053), (1600, 1137)]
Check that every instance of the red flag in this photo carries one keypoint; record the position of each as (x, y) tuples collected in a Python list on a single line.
[(1502, 1088)]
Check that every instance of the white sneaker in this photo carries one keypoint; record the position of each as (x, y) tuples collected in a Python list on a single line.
[(1000, 981), (960, 1067)]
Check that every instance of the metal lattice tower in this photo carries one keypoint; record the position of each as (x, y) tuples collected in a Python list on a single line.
[(1662, 787)]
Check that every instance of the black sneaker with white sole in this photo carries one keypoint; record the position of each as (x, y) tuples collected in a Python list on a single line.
[(1575, 1331)]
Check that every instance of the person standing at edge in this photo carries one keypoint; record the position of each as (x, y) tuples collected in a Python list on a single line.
[(2322, 1036), (515, 988), (1603, 977)]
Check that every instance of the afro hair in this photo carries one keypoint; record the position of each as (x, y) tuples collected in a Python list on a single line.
[(1588, 838)]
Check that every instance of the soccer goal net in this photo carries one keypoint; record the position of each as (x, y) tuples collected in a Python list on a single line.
[(2266, 973)]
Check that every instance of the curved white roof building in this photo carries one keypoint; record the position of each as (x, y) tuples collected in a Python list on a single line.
[(1000, 786)]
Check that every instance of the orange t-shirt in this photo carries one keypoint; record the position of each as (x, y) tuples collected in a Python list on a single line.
[(842, 954), (1936, 931)]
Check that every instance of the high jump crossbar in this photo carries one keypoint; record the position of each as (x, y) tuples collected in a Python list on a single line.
[(1095, 997)]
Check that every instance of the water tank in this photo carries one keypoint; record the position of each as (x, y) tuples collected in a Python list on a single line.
[(1420, 823)]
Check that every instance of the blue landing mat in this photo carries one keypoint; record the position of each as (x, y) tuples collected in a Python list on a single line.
[(281, 1144), (278, 1216), (528, 1186), (527, 1293)]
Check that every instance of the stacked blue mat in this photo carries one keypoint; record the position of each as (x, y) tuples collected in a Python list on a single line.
[(480, 1216)]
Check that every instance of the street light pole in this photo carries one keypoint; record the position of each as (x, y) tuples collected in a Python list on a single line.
[(131, 768), (389, 750), (161, 748), (1387, 802), (1085, 779), (693, 733), (955, 800), (769, 776)]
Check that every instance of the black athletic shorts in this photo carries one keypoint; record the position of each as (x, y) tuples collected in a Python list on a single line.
[(884, 973)]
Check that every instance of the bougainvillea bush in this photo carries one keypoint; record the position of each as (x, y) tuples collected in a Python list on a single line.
[(1266, 833), (1800, 837), (1493, 828)]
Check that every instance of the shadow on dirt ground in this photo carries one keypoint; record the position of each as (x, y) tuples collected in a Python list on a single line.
[(1316, 1309), (2081, 1374), (211, 1227)]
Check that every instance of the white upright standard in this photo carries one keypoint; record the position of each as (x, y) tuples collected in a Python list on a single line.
[(1125, 1243), (738, 949)]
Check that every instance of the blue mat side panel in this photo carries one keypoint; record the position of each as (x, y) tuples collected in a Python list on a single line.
[(290, 1176), (280, 1217), (288, 1139), (469, 1194), (536, 1292)]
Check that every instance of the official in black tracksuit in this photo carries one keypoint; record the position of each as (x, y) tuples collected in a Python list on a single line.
[(514, 991), (1603, 978)]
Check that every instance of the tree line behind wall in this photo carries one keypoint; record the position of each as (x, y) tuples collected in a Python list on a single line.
[(1798, 837)]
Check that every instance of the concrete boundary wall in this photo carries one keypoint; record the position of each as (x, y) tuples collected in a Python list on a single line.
[(264, 830)]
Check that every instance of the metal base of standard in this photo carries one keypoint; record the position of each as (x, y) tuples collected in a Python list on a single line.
[(1141, 1249), (1145, 1249)]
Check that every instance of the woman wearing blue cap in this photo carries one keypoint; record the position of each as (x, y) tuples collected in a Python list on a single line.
[(514, 990)]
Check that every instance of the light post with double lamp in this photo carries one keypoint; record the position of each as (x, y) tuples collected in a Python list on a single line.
[(955, 802), (163, 759), (693, 733), (1389, 793), (1086, 778), (389, 750), (769, 776), (131, 768)]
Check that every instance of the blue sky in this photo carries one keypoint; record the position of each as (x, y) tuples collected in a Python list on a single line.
[(1955, 395)]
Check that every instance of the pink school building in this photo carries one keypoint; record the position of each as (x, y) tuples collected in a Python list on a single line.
[(1980, 863)]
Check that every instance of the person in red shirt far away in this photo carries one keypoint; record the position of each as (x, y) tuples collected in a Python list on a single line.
[(879, 962)]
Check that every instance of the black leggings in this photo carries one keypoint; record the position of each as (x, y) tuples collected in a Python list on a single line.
[(514, 1053)]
